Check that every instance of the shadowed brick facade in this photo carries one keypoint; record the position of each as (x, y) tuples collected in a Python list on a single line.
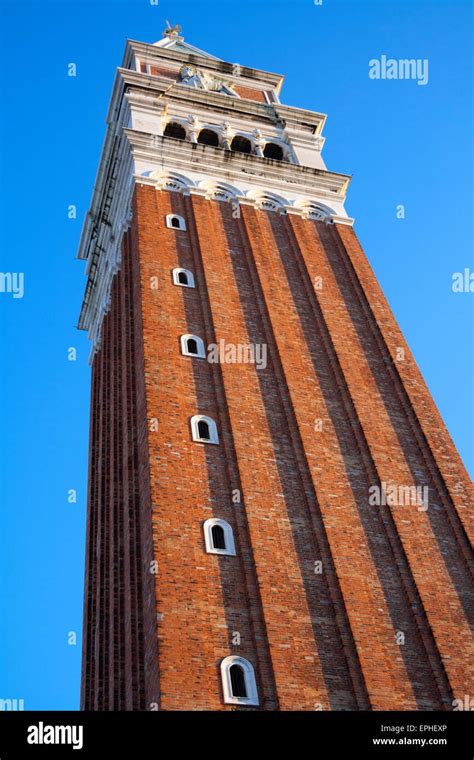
[(339, 604)]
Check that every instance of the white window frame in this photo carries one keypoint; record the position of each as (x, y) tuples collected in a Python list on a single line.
[(201, 351), (212, 429), (190, 277), (208, 525), (182, 223), (250, 682)]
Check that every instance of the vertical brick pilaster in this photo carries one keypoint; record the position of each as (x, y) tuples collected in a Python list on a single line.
[(437, 441), (392, 446)]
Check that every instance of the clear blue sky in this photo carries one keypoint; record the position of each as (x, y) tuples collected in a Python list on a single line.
[(403, 143)]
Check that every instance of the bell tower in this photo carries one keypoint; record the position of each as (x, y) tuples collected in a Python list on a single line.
[(277, 516)]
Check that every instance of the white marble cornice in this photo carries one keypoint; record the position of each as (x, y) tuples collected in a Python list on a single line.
[(157, 55), (153, 151), (216, 101)]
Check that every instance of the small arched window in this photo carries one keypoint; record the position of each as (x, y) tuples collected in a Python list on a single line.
[(183, 277), (204, 429), (173, 129), (241, 144), (272, 150), (218, 537), (208, 137), (192, 345), (175, 222), (238, 681)]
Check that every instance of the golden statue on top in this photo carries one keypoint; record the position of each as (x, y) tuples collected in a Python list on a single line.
[(172, 31)]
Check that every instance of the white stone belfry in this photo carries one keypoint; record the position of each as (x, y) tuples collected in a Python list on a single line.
[(185, 121)]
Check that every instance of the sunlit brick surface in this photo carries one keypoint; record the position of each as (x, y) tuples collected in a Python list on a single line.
[(334, 412)]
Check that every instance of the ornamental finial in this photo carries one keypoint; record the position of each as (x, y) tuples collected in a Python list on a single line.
[(172, 31)]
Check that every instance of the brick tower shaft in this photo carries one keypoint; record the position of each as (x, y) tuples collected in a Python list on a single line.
[(341, 579)]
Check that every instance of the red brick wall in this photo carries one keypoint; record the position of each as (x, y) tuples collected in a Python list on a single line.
[(317, 641), (201, 599), (434, 551), (119, 606), (160, 71), (250, 93)]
